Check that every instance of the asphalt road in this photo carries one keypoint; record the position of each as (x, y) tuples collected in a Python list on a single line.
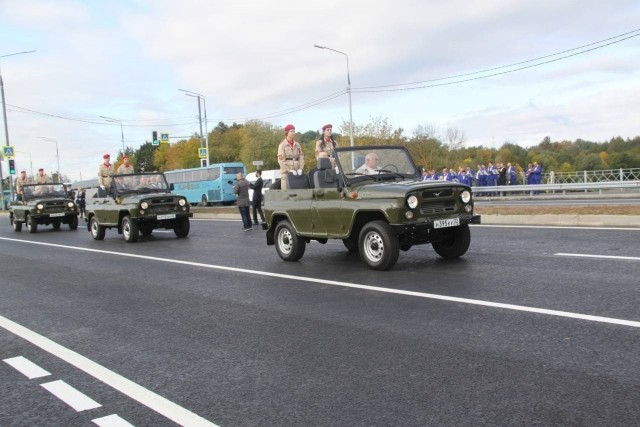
[(525, 329)]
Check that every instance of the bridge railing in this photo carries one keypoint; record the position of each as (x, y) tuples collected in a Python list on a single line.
[(564, 188), (632, 174)]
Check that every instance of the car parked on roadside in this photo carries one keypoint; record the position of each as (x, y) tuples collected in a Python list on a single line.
[(377, 207), (137, 204), (44, 204)]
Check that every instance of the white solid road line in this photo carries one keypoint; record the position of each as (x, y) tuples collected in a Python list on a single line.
[(111, 421), (69, 395), (558, 313), (27, 367), (146, 397), (632, 258)]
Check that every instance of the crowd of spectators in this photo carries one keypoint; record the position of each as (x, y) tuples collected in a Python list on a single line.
[(490, 175)]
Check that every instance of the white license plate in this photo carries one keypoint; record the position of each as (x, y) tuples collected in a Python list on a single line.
[(167, 216), (443, 223), (56, 214)]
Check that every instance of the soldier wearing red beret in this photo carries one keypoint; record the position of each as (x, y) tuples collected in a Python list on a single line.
[(105, 172), (326, 144), (290, 156)]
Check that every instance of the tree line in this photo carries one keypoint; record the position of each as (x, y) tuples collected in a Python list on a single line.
[(429, 147)]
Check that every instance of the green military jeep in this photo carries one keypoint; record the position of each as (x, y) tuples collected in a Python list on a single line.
[(44, 204), (375, 202), (137, 204)]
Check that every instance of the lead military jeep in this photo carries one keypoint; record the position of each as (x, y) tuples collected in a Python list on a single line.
[(137, 204), (44, 204), (376, 211)]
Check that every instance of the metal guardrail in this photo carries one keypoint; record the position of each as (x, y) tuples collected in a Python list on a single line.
[(632, 174), (594, 187)]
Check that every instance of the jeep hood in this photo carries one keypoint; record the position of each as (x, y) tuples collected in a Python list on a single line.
[(400, 188)]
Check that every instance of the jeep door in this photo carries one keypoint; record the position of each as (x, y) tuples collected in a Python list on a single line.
[(325, 211), (298, 208)]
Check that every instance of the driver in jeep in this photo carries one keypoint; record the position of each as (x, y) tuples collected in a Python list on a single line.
[(370, 165)]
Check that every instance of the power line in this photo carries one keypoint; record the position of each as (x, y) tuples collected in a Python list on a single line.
[(369, 89)]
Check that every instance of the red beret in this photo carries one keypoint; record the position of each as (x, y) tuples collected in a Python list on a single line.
[(327, 126), (106, 156), (287, 128)]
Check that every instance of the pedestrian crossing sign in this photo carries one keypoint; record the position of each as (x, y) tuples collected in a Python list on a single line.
[(164, 137), (202, 152), (8, 151)]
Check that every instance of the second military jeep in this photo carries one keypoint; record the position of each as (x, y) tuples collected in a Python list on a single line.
[(44, 204), (137, 204), (375, 202)]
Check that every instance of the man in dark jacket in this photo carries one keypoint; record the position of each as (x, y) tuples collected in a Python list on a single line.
[(256, 203), (241, 189)]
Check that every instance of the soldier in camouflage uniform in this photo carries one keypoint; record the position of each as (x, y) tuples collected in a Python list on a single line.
[(290, 156), (20, 182), (126, 166), (105, 172), (326, 144)]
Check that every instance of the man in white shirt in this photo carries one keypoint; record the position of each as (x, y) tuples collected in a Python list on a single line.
[(370, 165)]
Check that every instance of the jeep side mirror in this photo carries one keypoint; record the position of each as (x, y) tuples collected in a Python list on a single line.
[(171, 186)]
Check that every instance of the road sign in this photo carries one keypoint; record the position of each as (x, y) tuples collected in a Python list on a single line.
[(257, 163), (164, 137), (202, 152), (8, 151)]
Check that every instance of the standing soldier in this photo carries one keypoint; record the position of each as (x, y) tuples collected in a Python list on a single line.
[(20, 182), (105, 172), (326, 144), (41, 178), (290, 156), (126, 166)]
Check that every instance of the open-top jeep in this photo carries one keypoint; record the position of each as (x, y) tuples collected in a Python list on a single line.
[(137, 204), (377, 208), (44, 204)]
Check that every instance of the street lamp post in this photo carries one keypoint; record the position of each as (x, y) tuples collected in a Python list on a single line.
[(348, 90), (206, 130), (6, 126), (57, 156), (112, 120)]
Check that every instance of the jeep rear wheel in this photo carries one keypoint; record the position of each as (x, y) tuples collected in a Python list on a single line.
[(182, 228), (32, 225), (130, 229), (379, 247), (455, 244), (97, 231), (17, 225), (289, 245)]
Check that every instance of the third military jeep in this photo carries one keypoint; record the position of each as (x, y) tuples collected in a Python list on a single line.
[(44, 204), (377, 212), (137, 204)]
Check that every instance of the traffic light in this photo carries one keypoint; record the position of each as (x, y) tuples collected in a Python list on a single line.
[(154, 136), (12, 166)]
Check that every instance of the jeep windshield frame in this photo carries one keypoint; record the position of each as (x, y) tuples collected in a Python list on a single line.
[(139, 183), (44, 191), (386, 163)]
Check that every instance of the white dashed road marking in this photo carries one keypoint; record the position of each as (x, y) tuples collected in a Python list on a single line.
[(630, 258), (111, 421), (27, 367), (69, 395)]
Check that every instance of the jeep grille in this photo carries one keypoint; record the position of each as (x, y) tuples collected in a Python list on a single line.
[(163, 204), (430, 208)]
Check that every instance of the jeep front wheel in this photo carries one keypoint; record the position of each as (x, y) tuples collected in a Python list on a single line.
[(455, 244), (379, 247), (182, 228), (73, 224), (32, 224), (17, 225), (130, 229), (97, 231), (289, 245)]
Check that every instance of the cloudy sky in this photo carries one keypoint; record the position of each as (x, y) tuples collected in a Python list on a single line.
[(256, 60)]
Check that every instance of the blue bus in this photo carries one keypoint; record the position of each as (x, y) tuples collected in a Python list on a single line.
[(211, 184)]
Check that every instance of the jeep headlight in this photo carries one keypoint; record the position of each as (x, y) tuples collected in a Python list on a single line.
[(412, 202), (40, 206), (182, 202), (144, 205), (465, 196), (70, 204)]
